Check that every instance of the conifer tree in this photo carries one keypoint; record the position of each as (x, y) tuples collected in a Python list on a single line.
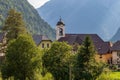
[(87, 67), (14, 25)]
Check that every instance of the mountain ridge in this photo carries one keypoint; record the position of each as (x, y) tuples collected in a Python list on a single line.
[(84, 16), (116, 36)]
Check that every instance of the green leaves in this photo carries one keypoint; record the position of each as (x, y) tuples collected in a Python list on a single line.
[(34, 23), (56, 60), (23, 57)]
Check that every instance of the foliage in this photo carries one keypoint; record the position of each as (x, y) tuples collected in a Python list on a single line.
[(56, 60), (23, 59), (47, 76), (109, 75), (35, 24), (105, 74), (14, 25), (87, 67)]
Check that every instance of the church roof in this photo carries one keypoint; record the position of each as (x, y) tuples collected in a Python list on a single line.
[(39, 38), (79, 38), (101, 46)]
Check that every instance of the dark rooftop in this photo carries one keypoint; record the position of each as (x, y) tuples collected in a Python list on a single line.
[(101, 46), (60, 22), (116, 46), (39, 38)]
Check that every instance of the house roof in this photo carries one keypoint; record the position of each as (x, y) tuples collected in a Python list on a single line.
[(101, 46), (39, 38), (116, 46)]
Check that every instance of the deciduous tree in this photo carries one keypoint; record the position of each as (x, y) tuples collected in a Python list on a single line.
[(56, 60), (23, 59)]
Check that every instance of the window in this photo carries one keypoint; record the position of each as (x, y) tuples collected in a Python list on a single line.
[(109, 60), (100, 55), (118, 54), (48, 45), (42, 45)]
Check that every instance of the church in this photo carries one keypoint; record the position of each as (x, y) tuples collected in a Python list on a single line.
[(103, 48)]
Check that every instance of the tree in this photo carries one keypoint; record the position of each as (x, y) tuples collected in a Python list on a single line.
[(56, 60), (14, 25), (87, 67), (22, 59)]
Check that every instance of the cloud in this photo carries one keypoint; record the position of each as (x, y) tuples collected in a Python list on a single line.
[(37, 3)]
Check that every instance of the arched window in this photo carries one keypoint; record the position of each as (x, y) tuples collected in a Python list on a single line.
[(60, 31)]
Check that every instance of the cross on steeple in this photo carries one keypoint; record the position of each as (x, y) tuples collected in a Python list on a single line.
[(60, 19)]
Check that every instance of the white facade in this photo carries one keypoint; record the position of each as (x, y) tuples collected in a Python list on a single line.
[(116, 57), (60, 30)]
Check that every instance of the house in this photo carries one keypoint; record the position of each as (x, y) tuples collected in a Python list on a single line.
[(116, 53), (42, 41), (104, 53), (103, 48)]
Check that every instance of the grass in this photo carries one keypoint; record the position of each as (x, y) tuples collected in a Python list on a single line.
[(48, 76), (104, 76), (114, 76), (110, 76)]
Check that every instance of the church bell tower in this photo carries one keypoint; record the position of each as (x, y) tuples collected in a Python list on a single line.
[(60, 29)]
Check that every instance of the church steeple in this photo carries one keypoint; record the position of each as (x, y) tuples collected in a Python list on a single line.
[(60, 29), (60, 22)]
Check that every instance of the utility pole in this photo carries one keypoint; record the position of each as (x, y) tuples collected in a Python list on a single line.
[(70, 72)]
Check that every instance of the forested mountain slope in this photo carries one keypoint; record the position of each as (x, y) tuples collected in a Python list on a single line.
[(35, 24)]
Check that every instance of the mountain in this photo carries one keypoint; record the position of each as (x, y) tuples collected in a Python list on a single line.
[(84, 16), (116, 37), (34, 22)]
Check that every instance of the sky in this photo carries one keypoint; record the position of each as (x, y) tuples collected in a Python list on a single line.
[(37, 3)]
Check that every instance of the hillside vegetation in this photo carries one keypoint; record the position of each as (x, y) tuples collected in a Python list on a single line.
[(35, 24)]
